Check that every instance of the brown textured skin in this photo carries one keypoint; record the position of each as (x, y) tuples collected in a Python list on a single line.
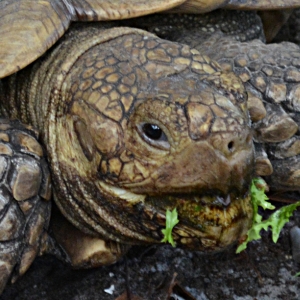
[(97, 101)]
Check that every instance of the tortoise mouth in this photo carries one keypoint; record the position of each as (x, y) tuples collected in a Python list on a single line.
[(207, 223)]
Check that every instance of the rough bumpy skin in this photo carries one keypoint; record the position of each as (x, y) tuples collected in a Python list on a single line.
[(24, 199), (111, 178)]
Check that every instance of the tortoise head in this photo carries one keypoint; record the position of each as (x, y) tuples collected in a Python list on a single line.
[(151, 125)]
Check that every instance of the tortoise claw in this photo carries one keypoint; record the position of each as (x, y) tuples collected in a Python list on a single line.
[(263, 166), (276, 127)]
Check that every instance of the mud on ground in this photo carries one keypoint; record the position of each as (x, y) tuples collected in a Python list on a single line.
[(264, 271)]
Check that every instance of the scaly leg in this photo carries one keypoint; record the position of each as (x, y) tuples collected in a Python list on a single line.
[(24, 199)]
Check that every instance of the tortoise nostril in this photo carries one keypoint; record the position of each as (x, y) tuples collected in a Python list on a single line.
[(230, 146)]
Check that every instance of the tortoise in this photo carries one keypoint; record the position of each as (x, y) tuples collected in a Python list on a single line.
[(131, 125)]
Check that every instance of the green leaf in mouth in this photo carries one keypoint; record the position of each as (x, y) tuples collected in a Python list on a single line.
[(276, 221), (171, 221)]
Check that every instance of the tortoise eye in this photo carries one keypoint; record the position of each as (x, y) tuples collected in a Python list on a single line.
[(153, 135), (152, 131)]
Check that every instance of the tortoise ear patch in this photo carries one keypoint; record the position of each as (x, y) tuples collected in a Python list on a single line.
[(105, 134), (85, 139)]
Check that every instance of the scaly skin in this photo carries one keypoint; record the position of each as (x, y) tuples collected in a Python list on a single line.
[(90, 104), (25, 195)]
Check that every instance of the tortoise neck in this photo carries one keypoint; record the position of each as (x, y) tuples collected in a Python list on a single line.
[(25, 96)]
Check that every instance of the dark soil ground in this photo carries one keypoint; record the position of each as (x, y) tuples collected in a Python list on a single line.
[(264, 271)]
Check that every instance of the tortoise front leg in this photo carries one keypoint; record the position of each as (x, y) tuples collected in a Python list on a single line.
[(24, 199)]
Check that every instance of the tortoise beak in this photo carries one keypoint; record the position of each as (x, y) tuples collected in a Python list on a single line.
[(206, 223)]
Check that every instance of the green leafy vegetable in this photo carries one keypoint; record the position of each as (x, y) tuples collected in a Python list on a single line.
[(171, 221), (198, 208), (276, 220)]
